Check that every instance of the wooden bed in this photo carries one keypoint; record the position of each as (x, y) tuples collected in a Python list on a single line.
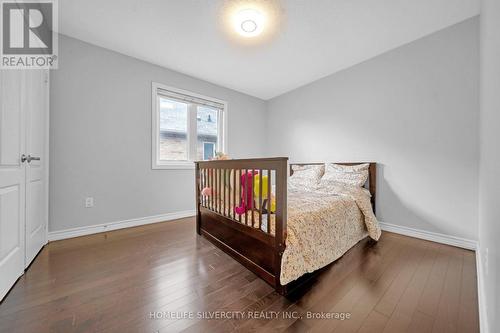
[(246, 237)]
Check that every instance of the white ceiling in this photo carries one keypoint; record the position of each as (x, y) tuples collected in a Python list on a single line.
[(312, 38)]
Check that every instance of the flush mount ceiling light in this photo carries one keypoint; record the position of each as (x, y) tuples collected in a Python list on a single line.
[(249, 22)]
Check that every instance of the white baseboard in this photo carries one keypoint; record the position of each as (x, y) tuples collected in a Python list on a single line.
[(483, 319), (94, 229), (430, 236)]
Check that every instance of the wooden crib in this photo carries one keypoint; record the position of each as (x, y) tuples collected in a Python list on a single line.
[(256, 238)]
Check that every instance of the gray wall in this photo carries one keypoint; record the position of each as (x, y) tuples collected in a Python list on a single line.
[(489, 179), (414, 110), (100, 143)]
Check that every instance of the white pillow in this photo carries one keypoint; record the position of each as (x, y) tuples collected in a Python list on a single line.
[(306, 176), (354, 175)]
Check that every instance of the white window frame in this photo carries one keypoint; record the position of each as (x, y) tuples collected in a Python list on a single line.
[(156, 163)]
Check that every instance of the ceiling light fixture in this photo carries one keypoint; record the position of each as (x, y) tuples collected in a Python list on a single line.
[(248, 26), (249, 22)]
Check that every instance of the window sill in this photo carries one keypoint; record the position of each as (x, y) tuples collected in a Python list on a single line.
[(188, 165)]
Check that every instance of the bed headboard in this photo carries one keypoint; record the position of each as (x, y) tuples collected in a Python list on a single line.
[(371, 183)]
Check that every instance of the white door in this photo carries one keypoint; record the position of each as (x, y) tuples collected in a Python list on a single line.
[(12, 179), (36, 98), (23, 171)]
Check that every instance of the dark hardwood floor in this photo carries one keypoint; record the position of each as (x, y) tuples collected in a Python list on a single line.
[(130, 280)]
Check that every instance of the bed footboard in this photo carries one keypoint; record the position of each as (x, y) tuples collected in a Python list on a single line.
[(241, 208)]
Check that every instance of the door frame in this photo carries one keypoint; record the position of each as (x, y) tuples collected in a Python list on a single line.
[(47, 155)]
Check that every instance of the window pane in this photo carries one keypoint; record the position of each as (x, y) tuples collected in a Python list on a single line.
[(207, 120), (173, 130)]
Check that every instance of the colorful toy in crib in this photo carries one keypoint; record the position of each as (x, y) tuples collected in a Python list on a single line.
[(246, 182), (206, 192), (219, 156), (253, 181), (265, 193)]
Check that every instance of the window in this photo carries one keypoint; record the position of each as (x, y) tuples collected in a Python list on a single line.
[(208, 150), (186, 127)]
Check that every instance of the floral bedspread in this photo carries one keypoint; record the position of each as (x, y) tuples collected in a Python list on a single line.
[(322, 224)]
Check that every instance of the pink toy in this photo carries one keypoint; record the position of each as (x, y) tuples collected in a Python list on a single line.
[(246, 203), (206, 192)]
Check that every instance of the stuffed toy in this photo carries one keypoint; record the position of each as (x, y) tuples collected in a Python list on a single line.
[(219, 156), (246, 203), (265, 193), (206, 192)]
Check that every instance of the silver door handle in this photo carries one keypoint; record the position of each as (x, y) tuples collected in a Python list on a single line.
[(32, 158), (23, 158)]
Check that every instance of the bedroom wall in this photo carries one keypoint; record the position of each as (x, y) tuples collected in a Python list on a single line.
[(413, 110), (489, 180), (100, 143)]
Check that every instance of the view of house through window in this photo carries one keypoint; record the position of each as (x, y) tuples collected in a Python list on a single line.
[(206, 125), (173, 130), (190, 128)]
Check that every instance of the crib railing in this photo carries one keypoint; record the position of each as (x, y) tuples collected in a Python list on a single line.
[(249, 192)]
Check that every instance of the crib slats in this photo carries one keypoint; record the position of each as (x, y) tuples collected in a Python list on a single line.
[(239, 200), (260, 199), (219, 197), (211, 184), (226, 212), (234, 194), (202, 186), (223, 192), (223, 198), (212, 176), (269, 191), (216, 188), (219, 194), (245, 196), (252, 200), (205, 172), (227, 180)]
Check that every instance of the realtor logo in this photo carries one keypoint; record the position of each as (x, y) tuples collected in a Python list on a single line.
[(29, 34)]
